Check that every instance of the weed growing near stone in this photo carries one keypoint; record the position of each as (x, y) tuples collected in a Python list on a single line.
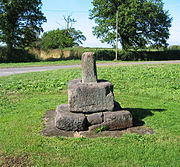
[(101, 128)]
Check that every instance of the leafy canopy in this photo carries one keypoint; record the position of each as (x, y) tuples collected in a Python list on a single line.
[(20, 22), (140, 23), (58, 39)]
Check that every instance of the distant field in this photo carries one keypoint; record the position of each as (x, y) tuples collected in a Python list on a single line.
[(150, 92)]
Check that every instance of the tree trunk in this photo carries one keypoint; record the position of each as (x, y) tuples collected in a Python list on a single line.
[(9, 51)]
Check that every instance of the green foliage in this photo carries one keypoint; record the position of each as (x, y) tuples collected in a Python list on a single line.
[(77, 36), (174, 47), (140, 55), (56, 39), (20, 22), (105, 54), (18, 55), (101, 128), (59, 39), (140, 22)]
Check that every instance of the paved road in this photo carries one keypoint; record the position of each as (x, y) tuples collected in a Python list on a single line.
[(11, 71)]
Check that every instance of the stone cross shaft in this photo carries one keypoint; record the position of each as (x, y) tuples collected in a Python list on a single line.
[(89, 73)]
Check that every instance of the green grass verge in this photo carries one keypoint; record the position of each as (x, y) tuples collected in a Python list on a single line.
[(41, 63), (152, 91), (48, 63)]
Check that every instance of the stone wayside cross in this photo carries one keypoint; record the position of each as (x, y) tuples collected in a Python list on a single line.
[(91, 103)]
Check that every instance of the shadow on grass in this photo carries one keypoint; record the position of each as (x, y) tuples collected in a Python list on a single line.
[(140, 113)]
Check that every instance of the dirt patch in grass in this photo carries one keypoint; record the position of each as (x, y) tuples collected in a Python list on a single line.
[(15, 161), (51, 130)]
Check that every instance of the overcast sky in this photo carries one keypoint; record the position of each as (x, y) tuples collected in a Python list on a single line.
[(79, 10)]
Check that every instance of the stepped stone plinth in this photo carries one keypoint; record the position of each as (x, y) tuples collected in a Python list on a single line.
[(91, 103)]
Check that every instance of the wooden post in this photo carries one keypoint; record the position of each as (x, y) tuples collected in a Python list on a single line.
[(116, 56)]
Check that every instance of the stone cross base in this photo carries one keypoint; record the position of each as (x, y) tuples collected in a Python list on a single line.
[(68, 121)]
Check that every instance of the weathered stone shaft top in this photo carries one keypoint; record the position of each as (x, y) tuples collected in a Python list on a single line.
[(89, 73)]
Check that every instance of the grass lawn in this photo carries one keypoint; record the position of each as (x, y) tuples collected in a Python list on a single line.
[(49, 63), (41, 63), (152, 91)]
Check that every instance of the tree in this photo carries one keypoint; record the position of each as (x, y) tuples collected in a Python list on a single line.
[(20, 22), (140, 22), (69, 22), (77, 36), (59, 39)]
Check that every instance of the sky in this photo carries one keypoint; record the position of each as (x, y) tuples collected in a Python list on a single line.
[(56, 10)]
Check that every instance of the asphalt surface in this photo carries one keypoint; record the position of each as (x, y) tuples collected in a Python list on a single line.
[(11, 71)]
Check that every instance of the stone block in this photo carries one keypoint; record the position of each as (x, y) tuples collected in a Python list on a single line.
[(96, 118), (115, 121), (90, 97), (89, 73), (68, 121), (118, 120)]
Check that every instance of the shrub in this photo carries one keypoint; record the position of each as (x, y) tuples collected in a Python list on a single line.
[(105, 54), (59, 39), (18, 55), (174, 47), (139, 55)]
